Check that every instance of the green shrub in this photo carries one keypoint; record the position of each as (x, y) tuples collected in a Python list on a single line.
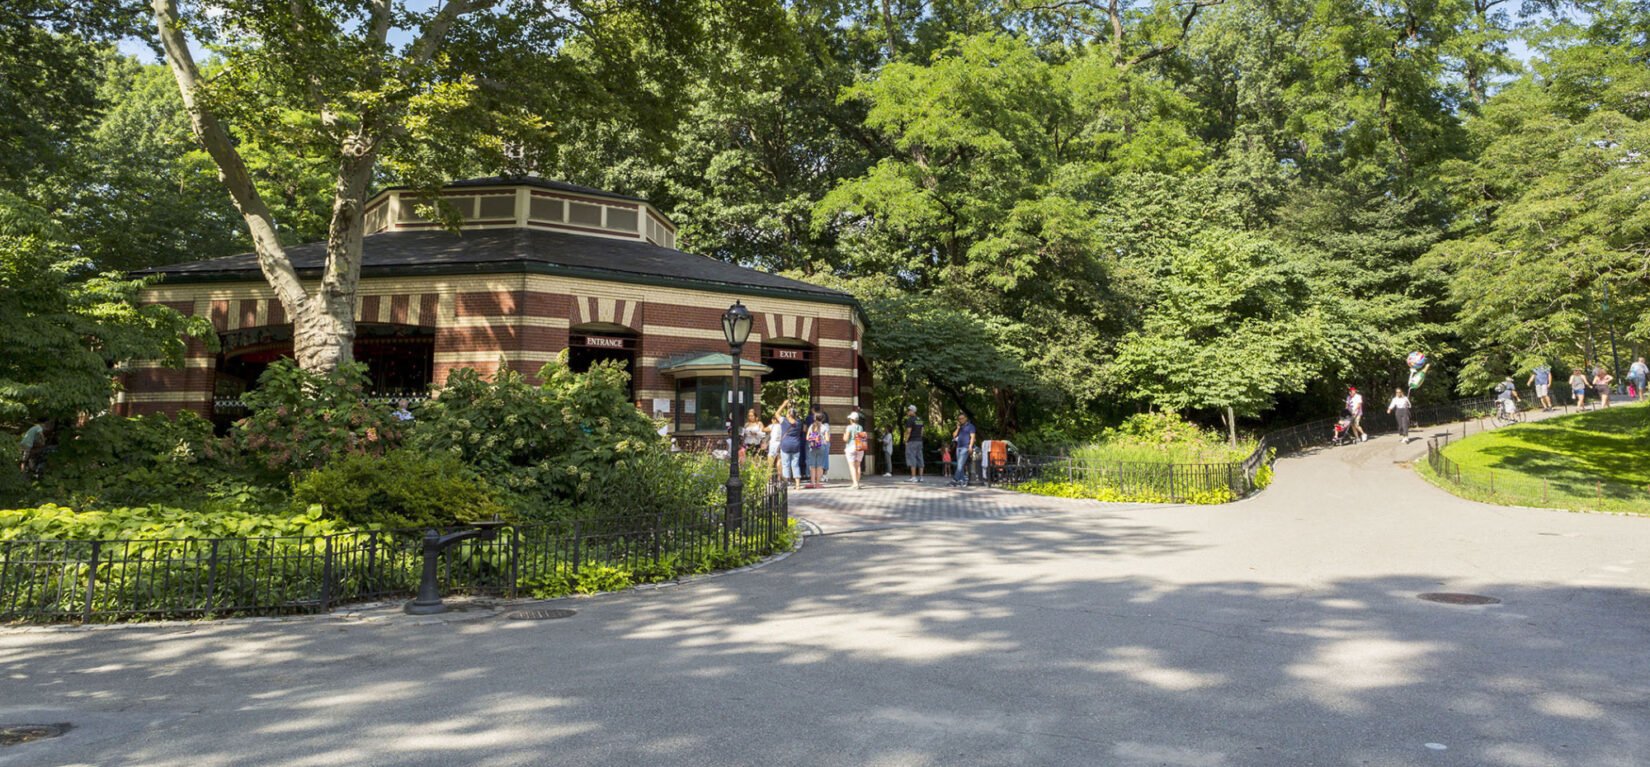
[(1165, 437), (300, 420), (144, 460), (401, 489), (550, 446)]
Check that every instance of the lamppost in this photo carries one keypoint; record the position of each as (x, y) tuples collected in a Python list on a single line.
[(736, 327)]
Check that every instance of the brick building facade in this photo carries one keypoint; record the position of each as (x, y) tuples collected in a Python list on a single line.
[(539, 269)]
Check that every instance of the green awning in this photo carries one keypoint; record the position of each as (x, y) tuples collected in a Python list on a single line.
[(710, 363)]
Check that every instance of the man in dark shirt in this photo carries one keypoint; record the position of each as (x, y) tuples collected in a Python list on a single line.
[(913, 443), (965, 443)]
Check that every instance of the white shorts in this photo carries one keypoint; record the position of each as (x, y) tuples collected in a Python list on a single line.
[(773, 449), (853, 455), (1541, 390)]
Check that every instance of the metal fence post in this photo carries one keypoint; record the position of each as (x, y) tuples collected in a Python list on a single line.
[(515, 560), (212, 576), (326, 576), (91, 583), (577, 542)]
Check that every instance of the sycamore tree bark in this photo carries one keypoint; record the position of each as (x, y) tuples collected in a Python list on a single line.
[(323, 321)]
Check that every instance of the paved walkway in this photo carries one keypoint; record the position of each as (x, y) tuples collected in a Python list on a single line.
[(890, 502), (1280, 630)]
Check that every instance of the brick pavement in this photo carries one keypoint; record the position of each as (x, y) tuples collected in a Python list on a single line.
[(894, 502)]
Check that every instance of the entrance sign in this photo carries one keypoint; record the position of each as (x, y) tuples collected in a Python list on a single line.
[(606, 342)]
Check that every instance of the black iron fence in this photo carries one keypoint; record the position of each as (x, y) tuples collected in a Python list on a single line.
[(1215, 482), (183, 578)]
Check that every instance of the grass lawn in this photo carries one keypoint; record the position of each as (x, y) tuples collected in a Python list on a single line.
[(1596, 460)]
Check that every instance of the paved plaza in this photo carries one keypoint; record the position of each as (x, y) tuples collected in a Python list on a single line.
[(929, 626)]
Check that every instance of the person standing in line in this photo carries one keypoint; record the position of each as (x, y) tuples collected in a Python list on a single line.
[(913, 443), (776, 433), (887, 438), (854, 443), (1355, 407), (1638, 373), (964, 435), (790, 445), (750, 435), (819, 443), (823, 418), (1601, 383), (402, 411), (1542, 380), (1399, 408)]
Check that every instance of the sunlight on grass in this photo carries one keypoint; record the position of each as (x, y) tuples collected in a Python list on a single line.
[(1593, 460)]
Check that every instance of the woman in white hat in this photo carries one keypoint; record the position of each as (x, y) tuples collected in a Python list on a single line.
[(854, 441)]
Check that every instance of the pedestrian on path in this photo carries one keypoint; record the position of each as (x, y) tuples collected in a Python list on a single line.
[(887, 438), (913, 443), (1601, 383), (790, 445), (1638, 373), (1542, 380), (1578, 388), (1355, 407), (1399, 408), (964, 435), (854, 443)]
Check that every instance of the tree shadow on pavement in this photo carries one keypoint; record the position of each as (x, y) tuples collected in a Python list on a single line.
[(1025, 641)]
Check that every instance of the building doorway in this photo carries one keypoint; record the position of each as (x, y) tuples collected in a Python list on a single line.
[(599, 342), (792, 362), (400, 363)]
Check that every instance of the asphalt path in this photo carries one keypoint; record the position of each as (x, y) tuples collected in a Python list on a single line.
[(982, 628)]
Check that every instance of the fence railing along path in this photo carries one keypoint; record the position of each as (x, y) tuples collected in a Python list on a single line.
[(1182, 482), (183, 578), (1518, 488)]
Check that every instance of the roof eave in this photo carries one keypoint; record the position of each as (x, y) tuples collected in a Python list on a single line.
[(508, 267)]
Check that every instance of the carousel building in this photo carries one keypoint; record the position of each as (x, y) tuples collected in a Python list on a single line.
[(539, 268)]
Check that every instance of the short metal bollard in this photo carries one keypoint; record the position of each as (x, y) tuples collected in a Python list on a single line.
[(429, 598)]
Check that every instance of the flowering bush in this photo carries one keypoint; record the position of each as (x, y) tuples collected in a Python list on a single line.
[(300, 420), (549, 446)]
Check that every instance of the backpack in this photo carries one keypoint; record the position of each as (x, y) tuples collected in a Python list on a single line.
[(861, 442)]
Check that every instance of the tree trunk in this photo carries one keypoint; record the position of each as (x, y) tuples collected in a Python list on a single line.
[(324, 337), (1231, 426), (888, 28), (1008, 417)]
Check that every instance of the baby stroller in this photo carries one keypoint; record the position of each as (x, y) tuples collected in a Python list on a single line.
[(1343, 430)]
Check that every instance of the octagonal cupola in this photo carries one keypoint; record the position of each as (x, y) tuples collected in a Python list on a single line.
[(527, 202)]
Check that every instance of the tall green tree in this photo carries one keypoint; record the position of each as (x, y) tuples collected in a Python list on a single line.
[(65, 335), (1552, 251), (327, 81)]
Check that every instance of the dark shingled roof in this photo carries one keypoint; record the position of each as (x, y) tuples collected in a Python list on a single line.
[(515, 250)]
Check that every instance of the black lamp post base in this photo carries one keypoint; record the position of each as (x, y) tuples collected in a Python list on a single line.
[(419, 607)]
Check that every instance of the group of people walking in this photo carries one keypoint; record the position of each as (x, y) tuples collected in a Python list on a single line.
[(799, 447), (1602, 383)]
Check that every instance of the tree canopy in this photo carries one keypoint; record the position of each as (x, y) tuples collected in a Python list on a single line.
[(1053, 212)]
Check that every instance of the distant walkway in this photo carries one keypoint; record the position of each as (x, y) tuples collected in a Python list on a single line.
[(893, 502)]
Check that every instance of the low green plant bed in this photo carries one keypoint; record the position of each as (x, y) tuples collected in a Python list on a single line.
[(1592, 461), (1150, 458)]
